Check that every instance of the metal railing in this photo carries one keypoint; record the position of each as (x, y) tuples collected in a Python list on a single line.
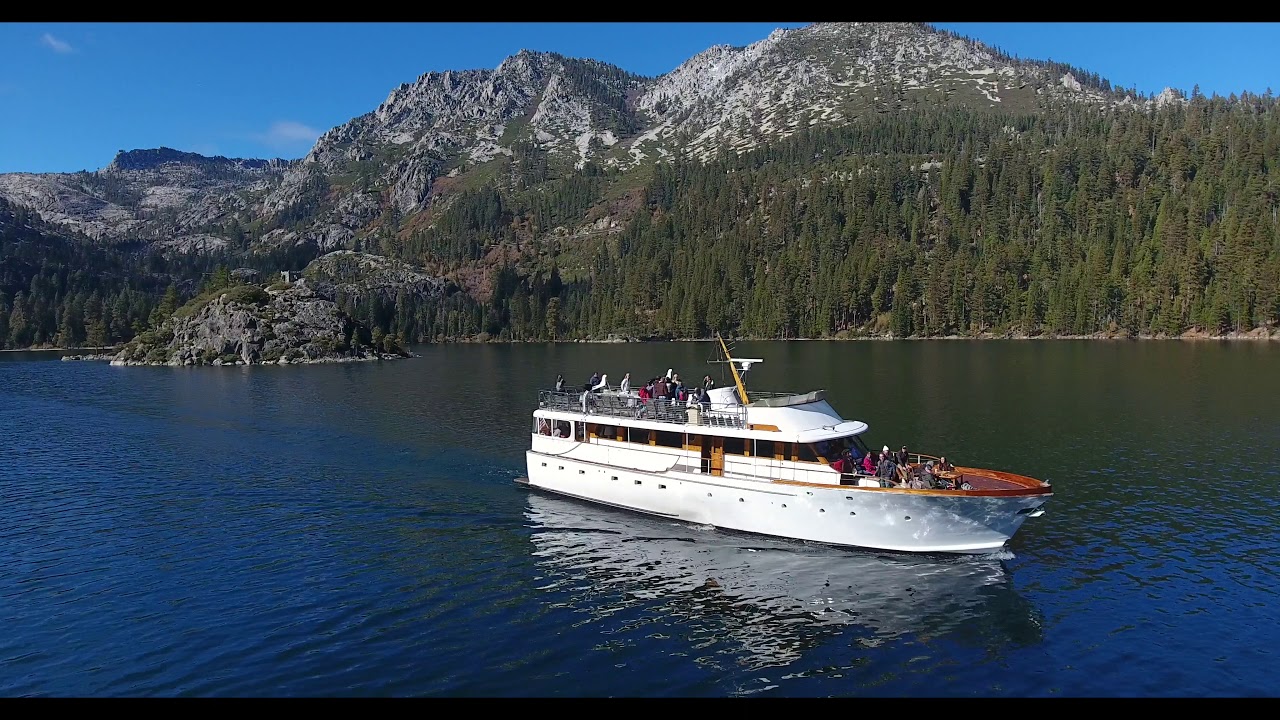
[(611, 403)]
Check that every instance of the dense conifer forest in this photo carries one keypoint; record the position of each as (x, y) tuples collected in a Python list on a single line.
[(940, 223), (1076, 221)]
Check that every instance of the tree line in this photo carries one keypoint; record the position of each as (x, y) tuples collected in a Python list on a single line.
[(1071, 221)]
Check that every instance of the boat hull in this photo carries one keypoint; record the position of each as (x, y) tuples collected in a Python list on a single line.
[(849, 516)]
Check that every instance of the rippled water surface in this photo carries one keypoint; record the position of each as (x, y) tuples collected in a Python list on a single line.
[(354, 531)]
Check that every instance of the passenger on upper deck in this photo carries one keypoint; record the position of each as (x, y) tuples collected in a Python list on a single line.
[(693, 396), (625, 386), (559, 383), (601, 385), (708, 383), (645, 393)]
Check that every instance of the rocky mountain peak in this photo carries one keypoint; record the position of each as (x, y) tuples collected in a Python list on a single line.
[(153, 159)]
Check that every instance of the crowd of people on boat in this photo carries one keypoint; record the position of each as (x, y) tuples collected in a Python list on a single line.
[(666, 389), (895, 469)]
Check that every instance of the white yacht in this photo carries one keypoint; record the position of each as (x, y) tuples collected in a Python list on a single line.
[(776, 464)]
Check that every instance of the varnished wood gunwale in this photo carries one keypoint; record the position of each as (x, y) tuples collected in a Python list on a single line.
[(1029, 486)]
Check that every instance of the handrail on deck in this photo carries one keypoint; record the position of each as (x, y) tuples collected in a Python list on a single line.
[(631, 407)]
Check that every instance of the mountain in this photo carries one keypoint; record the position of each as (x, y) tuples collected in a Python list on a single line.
[(170, 198), (549, 109), (537, 183)]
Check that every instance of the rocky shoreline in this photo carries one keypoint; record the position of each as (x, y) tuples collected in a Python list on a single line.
[(252, 325)]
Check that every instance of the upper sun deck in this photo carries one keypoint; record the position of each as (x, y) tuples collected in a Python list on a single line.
[(801, 417)]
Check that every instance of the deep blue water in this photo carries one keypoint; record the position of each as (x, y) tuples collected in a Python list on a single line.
[(354, 531)]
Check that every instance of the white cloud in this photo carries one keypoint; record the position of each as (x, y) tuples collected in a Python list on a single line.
[(62, 47), (288, 135)]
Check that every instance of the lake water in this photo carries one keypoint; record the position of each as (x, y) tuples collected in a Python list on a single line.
[(353, 530)]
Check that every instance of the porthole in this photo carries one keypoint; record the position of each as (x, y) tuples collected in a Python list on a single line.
[(615, 477), (821, 510), (741, 500), (908, 517), (544, 464), (662, 487), (637, 482), (582, 472), (561, 467), (784, 504), (852, 512)]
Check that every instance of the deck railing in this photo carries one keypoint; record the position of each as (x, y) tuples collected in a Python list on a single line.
[(611, 403)]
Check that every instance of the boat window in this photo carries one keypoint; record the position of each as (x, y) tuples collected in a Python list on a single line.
[(562, 429), (670, 439), (735, 446), (541, 426), (839, 445), (582, 431), (764, 448), (805, 452)]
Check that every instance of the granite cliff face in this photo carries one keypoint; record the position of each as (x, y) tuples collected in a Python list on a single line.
[(251, 325)]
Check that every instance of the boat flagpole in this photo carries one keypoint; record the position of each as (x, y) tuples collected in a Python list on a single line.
[(737, 379)]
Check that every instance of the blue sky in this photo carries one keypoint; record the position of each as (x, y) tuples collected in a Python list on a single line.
[(72, 94)]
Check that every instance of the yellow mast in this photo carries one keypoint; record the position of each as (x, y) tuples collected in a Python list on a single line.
[(742, 389)]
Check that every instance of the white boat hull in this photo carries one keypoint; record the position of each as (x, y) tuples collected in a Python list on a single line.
[(836, 515)]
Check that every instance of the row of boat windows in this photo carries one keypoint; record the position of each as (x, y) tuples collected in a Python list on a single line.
[(747, 447)]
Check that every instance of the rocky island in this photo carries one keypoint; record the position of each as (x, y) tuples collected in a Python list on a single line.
[(248, 324)]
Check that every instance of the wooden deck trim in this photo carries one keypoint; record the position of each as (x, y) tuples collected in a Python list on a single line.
[(1030, 486)]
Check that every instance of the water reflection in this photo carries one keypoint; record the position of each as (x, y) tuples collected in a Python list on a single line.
[(772, 599)]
